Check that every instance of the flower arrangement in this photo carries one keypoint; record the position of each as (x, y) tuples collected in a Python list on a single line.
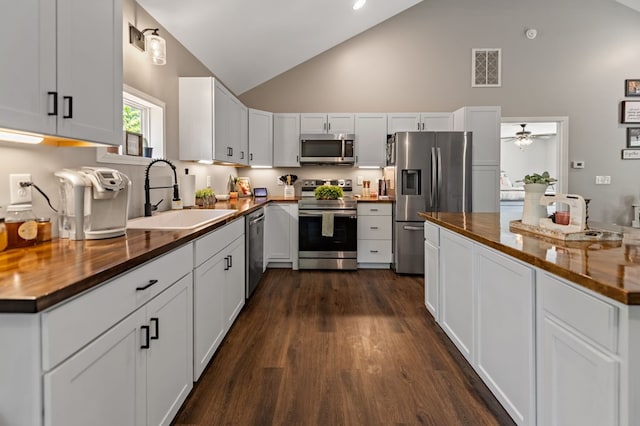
[(544, 178)]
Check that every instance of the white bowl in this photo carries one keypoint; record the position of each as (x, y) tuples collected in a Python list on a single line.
[(222, 197)]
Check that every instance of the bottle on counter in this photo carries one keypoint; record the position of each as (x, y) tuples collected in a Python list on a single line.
[(22, 229), (44, 229), (3, 235)]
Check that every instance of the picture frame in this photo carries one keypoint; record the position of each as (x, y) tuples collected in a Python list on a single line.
[(630, 112), (633, 137), (133, 143), (631, 154), (632, 87), (243, 187)]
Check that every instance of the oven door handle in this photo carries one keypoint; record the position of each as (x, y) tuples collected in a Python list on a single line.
[(351, 214)]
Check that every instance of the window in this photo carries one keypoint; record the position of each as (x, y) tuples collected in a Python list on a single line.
[(141, 114)]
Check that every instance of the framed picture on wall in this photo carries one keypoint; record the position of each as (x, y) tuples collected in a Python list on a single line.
[(633, 137), (632, 87), (631, 154), (630, 112), (133, 143)]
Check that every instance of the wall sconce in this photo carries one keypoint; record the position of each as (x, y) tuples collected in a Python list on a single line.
[(156, 45)]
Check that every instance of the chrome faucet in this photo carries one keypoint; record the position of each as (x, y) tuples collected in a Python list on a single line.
[(148, 207)]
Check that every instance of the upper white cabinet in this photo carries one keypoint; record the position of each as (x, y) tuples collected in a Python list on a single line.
[(213, 122), (484, 122), (260, 138), (286, 140), (371, 139), (326, 123), (54, 81), (419, 122)]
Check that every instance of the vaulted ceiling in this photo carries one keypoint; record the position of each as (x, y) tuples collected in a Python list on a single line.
[(247, 42)]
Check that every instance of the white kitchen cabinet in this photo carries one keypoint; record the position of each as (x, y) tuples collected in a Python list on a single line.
[(419, 122), (260, 138), (505, 349), (281, 235), (54, 82), (213, 122), (484, 122), (485, 188), (218, 289), (286, 140), (456, 290), (326, 123), (432, 269), (137, 373), (374, 235), (371, 139)]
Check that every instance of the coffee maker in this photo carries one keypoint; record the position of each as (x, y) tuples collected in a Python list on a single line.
[(94, 203)]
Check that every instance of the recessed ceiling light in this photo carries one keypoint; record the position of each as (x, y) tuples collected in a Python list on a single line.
[(358, 4)]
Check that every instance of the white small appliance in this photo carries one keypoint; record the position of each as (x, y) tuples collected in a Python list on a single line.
[(94, 203)]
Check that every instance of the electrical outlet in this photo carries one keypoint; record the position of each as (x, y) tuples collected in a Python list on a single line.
[(359, 181), (603, 180), (577, 164), (17, 193)]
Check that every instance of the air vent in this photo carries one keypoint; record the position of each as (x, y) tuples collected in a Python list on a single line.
[(487, 68)]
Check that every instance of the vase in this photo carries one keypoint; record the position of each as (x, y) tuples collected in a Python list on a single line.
[(533, 211), (289, 191), (147, 151)]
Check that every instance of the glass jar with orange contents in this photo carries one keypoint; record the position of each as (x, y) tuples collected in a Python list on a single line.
[(21, 225), (3, 235)]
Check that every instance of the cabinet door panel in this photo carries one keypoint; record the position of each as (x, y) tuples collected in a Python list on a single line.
[(486, 192), (93, 80), (578, 384), (403, 122), (260, 138), (286, 140), (436, 121), (504, 322), (340, 123), (371, 139), (103, 384), (456, 285), (234, 287), (28, 69), (277, 235), (431, 277), (208, 311), (169, 359), (313, 123)]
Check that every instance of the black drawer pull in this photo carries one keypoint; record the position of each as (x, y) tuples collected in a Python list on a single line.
[(373, 210), (55, 103), (226, 263), (230, 261), (151, 282), (374, 227), (373, 251), (157, 333), (70, 107), (145, 345)]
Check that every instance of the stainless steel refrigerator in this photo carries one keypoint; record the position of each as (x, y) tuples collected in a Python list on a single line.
[(431, 173)]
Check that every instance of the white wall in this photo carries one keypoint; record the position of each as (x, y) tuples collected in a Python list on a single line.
[(420, 60)]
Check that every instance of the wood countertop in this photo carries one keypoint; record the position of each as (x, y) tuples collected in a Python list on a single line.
[(610, 268), (35, 278)]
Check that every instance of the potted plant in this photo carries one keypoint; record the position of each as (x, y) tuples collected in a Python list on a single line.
[(535, 186), (204, 196), (328, 192)]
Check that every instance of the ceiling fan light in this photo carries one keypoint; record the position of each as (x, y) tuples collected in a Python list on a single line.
[(522, 142)]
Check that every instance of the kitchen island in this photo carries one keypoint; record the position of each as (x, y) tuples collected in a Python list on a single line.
[(552, 327)]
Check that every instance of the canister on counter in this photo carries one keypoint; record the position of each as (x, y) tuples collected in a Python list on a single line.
[(3, 235), (44, 229), (21, 225)]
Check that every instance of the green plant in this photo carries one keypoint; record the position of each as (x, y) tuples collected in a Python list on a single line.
[(204, 192), (544, 178), (328, 192)]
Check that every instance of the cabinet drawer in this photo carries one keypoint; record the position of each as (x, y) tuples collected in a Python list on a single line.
[(432, 234), (594, 318), (374, 251), (374, 227), (67, 328), (374, 209), (212, 243)]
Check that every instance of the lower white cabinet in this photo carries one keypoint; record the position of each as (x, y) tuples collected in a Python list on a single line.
[(281, 235), (432, 269), (137, 373), (456, 284), (375, 228), (218, 289), (504, 323)]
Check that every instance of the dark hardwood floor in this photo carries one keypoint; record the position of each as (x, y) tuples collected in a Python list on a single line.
[(339, 348)]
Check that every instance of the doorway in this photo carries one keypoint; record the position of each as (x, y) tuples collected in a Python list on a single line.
[(541, 145)]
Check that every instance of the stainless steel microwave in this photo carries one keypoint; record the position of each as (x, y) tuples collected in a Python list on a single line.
[(336, 148)]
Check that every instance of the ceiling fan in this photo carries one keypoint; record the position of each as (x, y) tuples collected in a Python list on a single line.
[(524, 137)]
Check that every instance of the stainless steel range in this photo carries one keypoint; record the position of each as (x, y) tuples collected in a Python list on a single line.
[(327, 228)]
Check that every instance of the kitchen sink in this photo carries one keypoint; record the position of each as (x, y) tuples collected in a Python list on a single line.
[(179, 219)]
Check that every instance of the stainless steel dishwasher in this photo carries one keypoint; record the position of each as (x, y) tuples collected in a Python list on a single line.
[(254, 234)]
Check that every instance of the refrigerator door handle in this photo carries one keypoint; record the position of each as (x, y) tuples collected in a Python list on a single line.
[(439, 178), (433, 179)]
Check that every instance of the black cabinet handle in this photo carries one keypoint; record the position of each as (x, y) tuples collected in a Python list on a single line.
[(226, 263), (157, 333), (230, 261), (373, 227), (70, 106), (145, 345), (373, 251), (55, 103), (242, 155), (151, 282), (251, 156)]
